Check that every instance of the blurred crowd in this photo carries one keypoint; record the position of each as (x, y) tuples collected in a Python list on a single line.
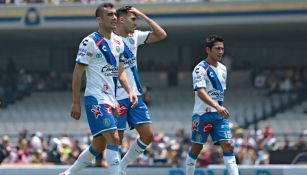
[(16, 83), (251, 147), (280, 80), (58, 2)]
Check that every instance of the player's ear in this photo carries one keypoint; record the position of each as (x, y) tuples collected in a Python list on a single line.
[(121, 19), (99, 20), (207, 49)]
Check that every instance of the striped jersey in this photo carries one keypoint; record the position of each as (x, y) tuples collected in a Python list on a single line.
[(213, 80), (132, 41), (101, 56)]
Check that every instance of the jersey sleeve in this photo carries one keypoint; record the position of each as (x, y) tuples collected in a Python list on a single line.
[(86, 51), (142, 36), (199, 78)]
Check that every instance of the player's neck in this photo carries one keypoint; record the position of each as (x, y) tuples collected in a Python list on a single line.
[(105, 33), (121, 32), (212, 62)]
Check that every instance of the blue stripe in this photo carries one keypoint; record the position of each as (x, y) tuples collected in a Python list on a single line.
[(213, 79), (141, 145), (68, 18), (183, 15), (93, 151), (192, 155), (78, 62), (10, 19), (113, 147), (107, 54), (136, 79), (228, 154), (127, 52)]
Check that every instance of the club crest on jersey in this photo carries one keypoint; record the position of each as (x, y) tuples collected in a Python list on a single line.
[(96, 110), (131, 40), (207, 127), (198, 137), (106, 122), (117, 49), (195, 124)]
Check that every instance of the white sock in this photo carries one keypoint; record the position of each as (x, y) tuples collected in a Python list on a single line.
[(113, 159), (190, 163), (230, 162), (84, 160), (134, 151)]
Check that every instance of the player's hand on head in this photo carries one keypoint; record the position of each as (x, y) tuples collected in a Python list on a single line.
[(75, 111), (134, 100), (135, 11)]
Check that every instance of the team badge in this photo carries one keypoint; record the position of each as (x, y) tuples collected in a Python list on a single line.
[(195, 124), (131, 41), (96, 111), (198, 137), (106, 122), (117, 49), (98, 55)]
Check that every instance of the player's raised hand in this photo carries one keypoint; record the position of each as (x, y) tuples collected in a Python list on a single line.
[(75, 111), (135, 11), (223, 111), (134, 100)]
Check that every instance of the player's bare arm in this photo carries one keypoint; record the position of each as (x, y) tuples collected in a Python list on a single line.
[(75, 111), (158, 33), (124, 82), (203, 95)]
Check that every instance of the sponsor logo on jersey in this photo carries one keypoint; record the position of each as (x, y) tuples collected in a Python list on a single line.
[(216, 95), (82, 52), (130, 62), (109, 109), (99, 55), (90, 54), (116, 41), (96, 111), (207, 127), (110, 70), (122, 110)]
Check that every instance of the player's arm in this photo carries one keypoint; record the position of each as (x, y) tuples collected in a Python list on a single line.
[(122, 76), (158, 33), (76, 86), (203, 95)]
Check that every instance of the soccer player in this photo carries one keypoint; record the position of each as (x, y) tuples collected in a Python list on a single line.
[(137, 117), (100, 55), (210, 117)]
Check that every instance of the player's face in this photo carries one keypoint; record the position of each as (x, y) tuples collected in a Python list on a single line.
[(217, 51), (130, 22), (108, 18)]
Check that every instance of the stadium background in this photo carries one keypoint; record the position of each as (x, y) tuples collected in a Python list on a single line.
[(265, 45)]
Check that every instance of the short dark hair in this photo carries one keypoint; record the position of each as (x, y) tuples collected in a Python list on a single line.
[(211, 39), (99, 9), (123, 11)]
